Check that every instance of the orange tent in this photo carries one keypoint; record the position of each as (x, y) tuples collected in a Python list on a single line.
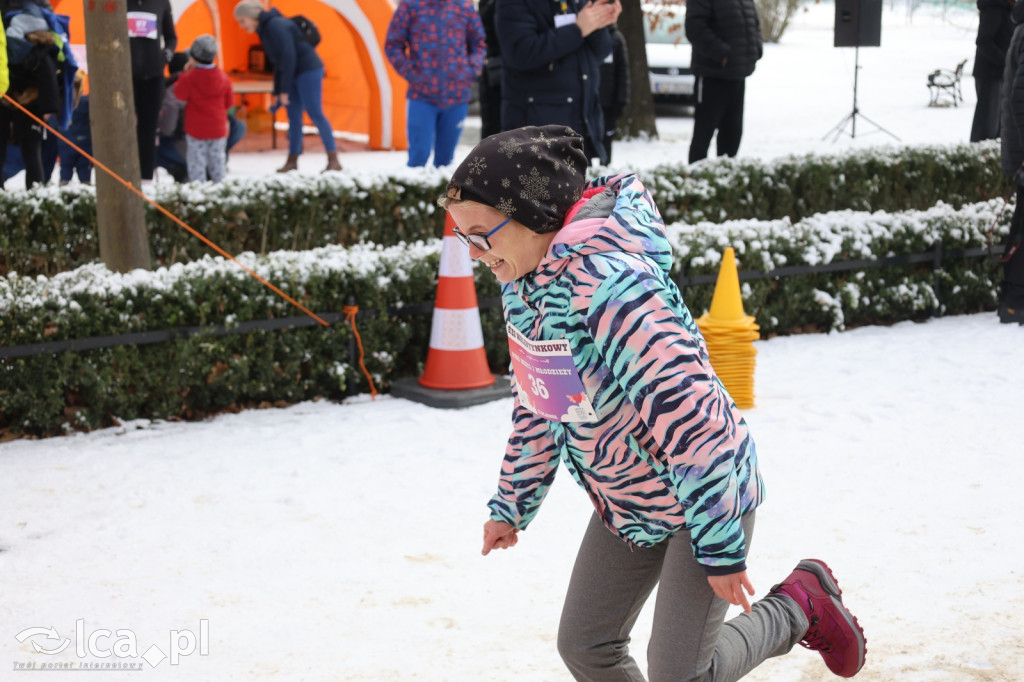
[(363, 94)]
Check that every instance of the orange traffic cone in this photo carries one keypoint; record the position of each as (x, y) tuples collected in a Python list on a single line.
[(730, 333), (456, 372)]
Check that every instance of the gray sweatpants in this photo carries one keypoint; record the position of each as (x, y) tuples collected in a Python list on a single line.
[(206, 156), (690, 640)]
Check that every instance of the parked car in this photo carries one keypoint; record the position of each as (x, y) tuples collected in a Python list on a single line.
[(668, 55)]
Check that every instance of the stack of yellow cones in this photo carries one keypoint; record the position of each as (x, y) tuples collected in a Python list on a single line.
[(730, 334)]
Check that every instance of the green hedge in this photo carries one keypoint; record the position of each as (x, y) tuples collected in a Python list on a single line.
[(191, 377), (833, 301), (887, 179), (48, 230)]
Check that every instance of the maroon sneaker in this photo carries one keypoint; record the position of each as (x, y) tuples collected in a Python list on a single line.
[(833, 631)]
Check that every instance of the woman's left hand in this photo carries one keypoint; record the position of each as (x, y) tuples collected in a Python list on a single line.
[(730, 588), (499, 535)]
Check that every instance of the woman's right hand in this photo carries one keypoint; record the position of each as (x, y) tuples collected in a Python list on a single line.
[(597, 14), (499, 535), (283, 99)]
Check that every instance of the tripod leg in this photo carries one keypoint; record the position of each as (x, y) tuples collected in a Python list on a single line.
[(879, 127)]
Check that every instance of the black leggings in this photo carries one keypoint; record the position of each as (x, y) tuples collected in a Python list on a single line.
[(149, 97)]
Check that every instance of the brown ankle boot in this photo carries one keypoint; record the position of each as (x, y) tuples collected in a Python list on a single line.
[(332, 162), (291, 164)]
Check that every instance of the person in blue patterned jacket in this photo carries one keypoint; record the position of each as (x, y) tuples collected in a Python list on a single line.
[(611, 377), (439, 47)]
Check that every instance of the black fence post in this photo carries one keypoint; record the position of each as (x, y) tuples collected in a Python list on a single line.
[(937, 277), (681, 281)]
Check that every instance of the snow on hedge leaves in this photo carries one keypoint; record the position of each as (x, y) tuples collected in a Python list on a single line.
[(94, 280), (837, 236), (759, 245)]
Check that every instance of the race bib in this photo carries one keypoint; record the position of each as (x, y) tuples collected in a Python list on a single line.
[(549, 385), (142, 25)]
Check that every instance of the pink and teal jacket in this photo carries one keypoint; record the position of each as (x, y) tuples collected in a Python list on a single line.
[(439, 47), (669, 449)]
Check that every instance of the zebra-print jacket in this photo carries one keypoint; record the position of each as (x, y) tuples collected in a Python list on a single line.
[(669, 449)]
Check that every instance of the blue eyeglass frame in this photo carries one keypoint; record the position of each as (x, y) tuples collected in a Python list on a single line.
[(472, 239)]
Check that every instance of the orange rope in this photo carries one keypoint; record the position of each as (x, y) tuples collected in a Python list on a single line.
[(350, 314), (168, 213)]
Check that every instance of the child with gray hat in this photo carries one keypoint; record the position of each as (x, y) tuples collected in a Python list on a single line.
[(207, 93)]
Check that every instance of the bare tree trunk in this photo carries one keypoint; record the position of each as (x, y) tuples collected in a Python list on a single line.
[(638, 118), (120, 214)]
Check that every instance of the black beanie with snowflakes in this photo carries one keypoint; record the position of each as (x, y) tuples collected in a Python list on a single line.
[(533, 175)]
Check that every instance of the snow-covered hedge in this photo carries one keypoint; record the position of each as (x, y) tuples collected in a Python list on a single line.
[(880, 179), (191, 376), (834, 300), (48, 229)]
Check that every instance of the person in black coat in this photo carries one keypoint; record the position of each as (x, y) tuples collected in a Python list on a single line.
[(489, 85), (725, 36), (614, 87), (152, 39), (1011, 299), (994, 30), (35, 85), (551, 65)]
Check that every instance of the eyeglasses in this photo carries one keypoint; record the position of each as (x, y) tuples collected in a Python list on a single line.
[(478, 240)]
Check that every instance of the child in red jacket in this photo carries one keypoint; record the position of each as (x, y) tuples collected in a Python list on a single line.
[(207, 94)]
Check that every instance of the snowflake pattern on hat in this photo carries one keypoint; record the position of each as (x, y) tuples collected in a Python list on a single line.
[(509, 148), (538, 174)]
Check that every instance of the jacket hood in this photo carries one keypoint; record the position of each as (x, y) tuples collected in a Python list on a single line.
[(616, 215), (267, 15)]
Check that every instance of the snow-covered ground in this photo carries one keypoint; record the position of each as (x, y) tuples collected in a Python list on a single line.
[(342, 541)]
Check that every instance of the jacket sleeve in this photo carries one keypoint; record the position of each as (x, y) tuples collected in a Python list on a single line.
[(397, 41), (182, 88), (659, 362), (284, 57), (700, 34), (531, 460), (1015, 93), (170, 112), (170, 34), (5, 78), (527, 42), (988, 26), (476, 42), (621, 60), (600, 43), (229, 93)]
